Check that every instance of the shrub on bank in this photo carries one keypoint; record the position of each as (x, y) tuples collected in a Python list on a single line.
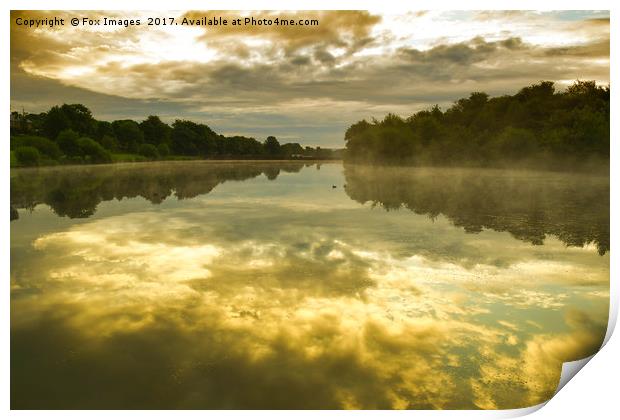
[(27, 156), (92, 151), (44, 146), (163, 149), (148, 150)]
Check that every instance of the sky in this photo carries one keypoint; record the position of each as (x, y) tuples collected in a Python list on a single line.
[(303, 84)]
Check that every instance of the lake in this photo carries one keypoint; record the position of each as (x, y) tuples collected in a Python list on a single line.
[(302, 285)]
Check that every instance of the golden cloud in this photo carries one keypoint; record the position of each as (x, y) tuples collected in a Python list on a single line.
[(227, 322)]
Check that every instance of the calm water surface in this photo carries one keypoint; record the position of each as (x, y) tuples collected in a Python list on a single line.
[(260, 285)]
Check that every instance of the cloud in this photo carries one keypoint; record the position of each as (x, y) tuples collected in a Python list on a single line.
[(597, 49), (348, 29), (239, 300), (359, 63)]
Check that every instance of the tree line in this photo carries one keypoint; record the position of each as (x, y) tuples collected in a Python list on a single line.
[(70, 134), (538, 124)]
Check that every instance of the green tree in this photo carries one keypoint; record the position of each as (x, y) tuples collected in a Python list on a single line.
[(185, 138), (109, 142), (155, 131), (516, 143), (68, 142), (272, 146), (80, 119), (289, 149), (103, 129), (190, 138), (128, 134), (55, 121)]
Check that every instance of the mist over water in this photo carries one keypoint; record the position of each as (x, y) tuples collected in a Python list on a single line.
[(302, 285)]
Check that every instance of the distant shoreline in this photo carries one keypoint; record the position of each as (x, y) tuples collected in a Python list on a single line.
[(590, 168), (148, 162)]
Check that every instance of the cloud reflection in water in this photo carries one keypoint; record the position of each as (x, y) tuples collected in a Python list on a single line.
[(252, 298)]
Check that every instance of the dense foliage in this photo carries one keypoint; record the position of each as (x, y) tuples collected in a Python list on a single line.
[(537, 124), (70, 134)]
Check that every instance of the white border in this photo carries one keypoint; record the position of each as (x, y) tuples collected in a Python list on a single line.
[(592, 394)]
